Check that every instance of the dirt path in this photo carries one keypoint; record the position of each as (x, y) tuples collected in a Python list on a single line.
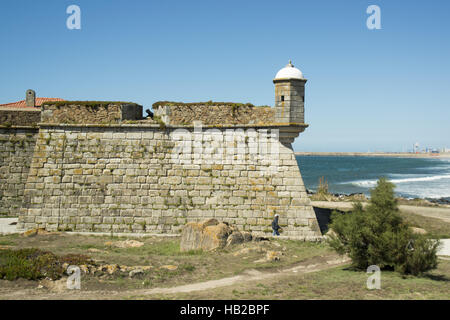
[(59, 291), (438, 213), (250, 275)]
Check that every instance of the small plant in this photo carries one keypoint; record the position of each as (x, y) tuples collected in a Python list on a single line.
[(322, 193), (187, 267), (161, 123), (323, 186), (146, 283), (143, 224)]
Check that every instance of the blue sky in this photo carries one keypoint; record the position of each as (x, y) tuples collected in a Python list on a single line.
[(367, 89)]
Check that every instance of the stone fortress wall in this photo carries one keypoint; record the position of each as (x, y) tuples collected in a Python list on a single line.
[(100, 112), (101, 167), (16, 152), (213, 113), (125, 178), (19, 117)]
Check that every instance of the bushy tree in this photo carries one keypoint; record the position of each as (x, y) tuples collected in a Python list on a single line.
[(378, 236)]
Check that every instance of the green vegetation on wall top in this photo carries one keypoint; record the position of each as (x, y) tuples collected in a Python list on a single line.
[(207, 103), (92, 104)]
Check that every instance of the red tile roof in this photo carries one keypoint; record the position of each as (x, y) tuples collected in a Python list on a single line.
[(22, 103)]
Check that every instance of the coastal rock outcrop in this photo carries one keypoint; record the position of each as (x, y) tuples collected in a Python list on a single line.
[(209, 235)]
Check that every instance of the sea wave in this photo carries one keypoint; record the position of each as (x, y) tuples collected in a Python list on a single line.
[(428, 178), (436, 193), (372, 183)]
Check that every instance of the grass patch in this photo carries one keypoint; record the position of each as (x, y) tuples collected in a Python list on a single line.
[(193, 266), (6, 242), (335, 284), (170, 247), (187, 267), (89, 246), (416, 202), (436, 228)]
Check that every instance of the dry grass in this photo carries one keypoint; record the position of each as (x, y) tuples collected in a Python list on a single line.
[(436, 228), (336, 284), (156, 252)]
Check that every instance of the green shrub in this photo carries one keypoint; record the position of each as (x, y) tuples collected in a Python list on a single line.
[(379, 236), (34, 264), (30, 264)]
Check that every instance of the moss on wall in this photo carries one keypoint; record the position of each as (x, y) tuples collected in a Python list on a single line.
[(207, 103)]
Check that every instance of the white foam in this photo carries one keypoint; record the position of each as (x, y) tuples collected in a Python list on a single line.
[(437, 186), (416, 179), (364, 183), (372, 183), (420, 192)]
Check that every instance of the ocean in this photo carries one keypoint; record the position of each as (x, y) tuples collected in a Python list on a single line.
[(413, 177)]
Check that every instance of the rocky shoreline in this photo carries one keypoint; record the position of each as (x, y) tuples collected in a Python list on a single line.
[(362, 197)]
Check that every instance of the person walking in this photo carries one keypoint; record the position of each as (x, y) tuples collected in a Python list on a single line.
[(275, 225)]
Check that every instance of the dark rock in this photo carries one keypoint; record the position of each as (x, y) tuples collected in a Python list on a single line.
[(258, 239), (235, 238), (247, 236)]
